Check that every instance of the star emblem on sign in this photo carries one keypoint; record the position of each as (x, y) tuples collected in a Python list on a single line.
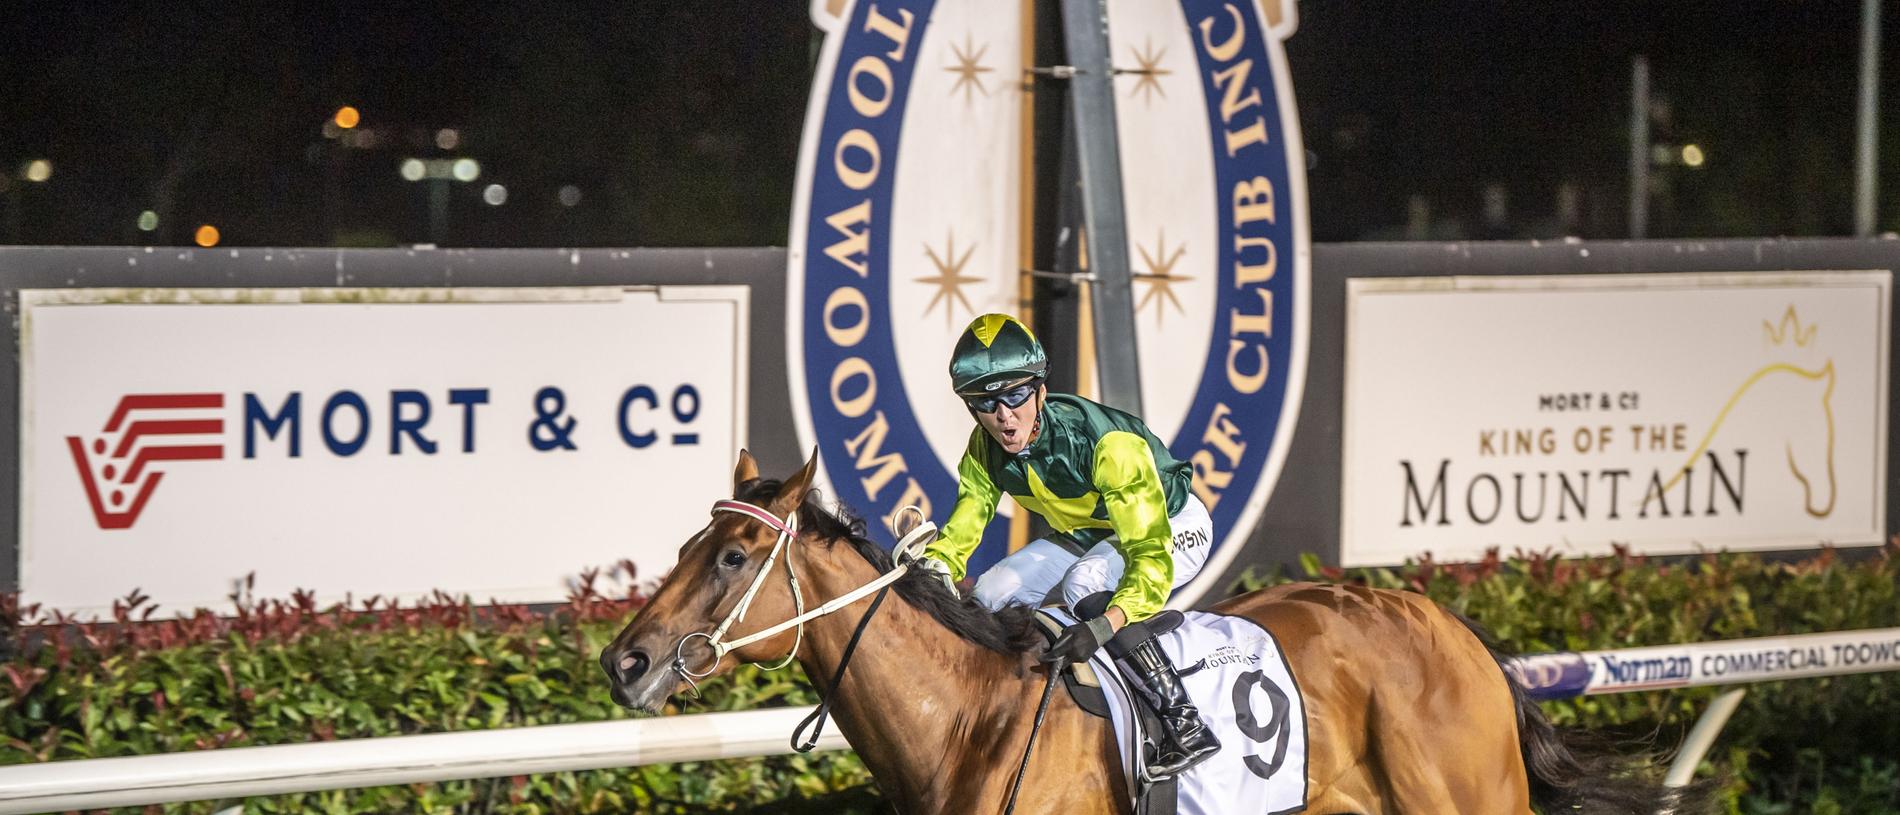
[(1160, 276), (968, 69), (949, 279), (1150, 72)]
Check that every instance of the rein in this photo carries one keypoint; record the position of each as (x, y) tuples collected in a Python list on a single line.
[(837, 678)]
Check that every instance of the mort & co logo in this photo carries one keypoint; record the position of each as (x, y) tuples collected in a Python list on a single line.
[(144, 430)]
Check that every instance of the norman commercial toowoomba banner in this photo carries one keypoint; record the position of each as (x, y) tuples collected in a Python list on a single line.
[(493, 442), (1670, 412)]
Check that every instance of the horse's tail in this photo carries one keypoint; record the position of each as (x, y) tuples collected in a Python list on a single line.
[(1575, 770)]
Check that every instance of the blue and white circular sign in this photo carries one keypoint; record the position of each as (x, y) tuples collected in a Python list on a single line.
[(908, 221)]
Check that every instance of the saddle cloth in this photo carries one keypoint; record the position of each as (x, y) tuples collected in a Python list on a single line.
[(1236, 673)]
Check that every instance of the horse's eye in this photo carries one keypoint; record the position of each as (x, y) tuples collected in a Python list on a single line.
[(733, 559)]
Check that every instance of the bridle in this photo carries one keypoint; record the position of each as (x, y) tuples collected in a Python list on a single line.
[(787, 531), (907, 549)]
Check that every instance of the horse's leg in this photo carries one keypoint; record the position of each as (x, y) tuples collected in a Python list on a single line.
[(1074, 768), (1354, 796), (1324, 656), (1406, 710), (1342, 776), (1450, 744), (1466, 771)]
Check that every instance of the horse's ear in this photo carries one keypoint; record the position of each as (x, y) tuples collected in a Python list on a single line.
[(747, 470), (793, 493)]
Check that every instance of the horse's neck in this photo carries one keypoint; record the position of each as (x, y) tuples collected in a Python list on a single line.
[(916, 698)]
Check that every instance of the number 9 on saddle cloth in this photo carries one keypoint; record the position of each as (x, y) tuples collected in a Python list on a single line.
[(1238, 676)]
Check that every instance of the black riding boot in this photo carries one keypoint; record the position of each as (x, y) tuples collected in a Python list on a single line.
[(1186, 740)]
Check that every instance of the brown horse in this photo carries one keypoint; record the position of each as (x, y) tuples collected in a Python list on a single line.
[(1407, 710)]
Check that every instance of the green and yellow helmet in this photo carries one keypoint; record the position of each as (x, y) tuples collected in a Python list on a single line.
[(996, 352)]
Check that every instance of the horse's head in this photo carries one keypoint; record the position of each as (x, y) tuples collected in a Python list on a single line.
[(716, 569)]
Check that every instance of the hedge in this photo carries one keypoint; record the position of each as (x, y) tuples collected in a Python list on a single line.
[(1824, 746), (285, 671)]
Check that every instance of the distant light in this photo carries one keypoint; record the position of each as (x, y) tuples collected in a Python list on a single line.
[(495, 195), (467, 169), (207, 236), (447, 138), (346, 117), (1661, 155), (1692, 155), (413, 169), (570, 195), (38, 170), (148, 221), (330, 130)]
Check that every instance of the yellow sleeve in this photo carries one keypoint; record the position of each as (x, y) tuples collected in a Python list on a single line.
[(1130, 487), (976, 505)]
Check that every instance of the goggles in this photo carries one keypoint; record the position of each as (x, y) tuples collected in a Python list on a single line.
[(1012, 399)]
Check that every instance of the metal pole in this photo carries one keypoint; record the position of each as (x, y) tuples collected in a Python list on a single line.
[(1077, 370), (13, 209), (1639, 148), (438, 211), (1098, 159), (1701, 738), (1865, 177)]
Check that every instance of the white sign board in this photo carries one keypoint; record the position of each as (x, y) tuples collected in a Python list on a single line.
[(488, 442), (1674, 413)]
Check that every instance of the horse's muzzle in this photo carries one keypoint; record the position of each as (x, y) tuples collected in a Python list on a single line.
[(625, 668)]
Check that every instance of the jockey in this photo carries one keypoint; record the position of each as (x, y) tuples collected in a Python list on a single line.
[(1125, 515)]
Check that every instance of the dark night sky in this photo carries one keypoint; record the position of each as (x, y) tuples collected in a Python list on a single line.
[(679, 121), (1441, 99)]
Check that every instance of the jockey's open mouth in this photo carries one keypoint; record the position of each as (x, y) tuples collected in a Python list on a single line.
[(1012, 432), (1013, 428)]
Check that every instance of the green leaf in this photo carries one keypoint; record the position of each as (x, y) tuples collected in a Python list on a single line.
[(1310, 564)]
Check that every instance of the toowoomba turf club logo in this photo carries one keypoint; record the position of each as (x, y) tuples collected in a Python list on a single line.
[(908, 222)]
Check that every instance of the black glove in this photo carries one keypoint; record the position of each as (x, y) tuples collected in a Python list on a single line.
[(1079, 640)]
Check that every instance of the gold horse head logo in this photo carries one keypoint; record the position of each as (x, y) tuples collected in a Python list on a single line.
[(1806, 461)]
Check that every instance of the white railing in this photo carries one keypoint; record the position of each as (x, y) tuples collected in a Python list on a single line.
[(243, 772)]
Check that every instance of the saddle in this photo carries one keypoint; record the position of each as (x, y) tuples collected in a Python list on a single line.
[(1084, 685)]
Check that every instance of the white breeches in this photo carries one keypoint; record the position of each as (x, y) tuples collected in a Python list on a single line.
[(1030, 574)]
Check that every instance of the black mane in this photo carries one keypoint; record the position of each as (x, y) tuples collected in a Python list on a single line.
[(1010, 631)]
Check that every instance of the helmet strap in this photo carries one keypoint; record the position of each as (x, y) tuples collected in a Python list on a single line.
[(1035, 431)]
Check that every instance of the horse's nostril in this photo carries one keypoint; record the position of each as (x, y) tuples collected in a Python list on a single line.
[(633, 666), (624, 667)]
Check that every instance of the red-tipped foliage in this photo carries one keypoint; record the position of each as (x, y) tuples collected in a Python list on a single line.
[(596, 596)]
